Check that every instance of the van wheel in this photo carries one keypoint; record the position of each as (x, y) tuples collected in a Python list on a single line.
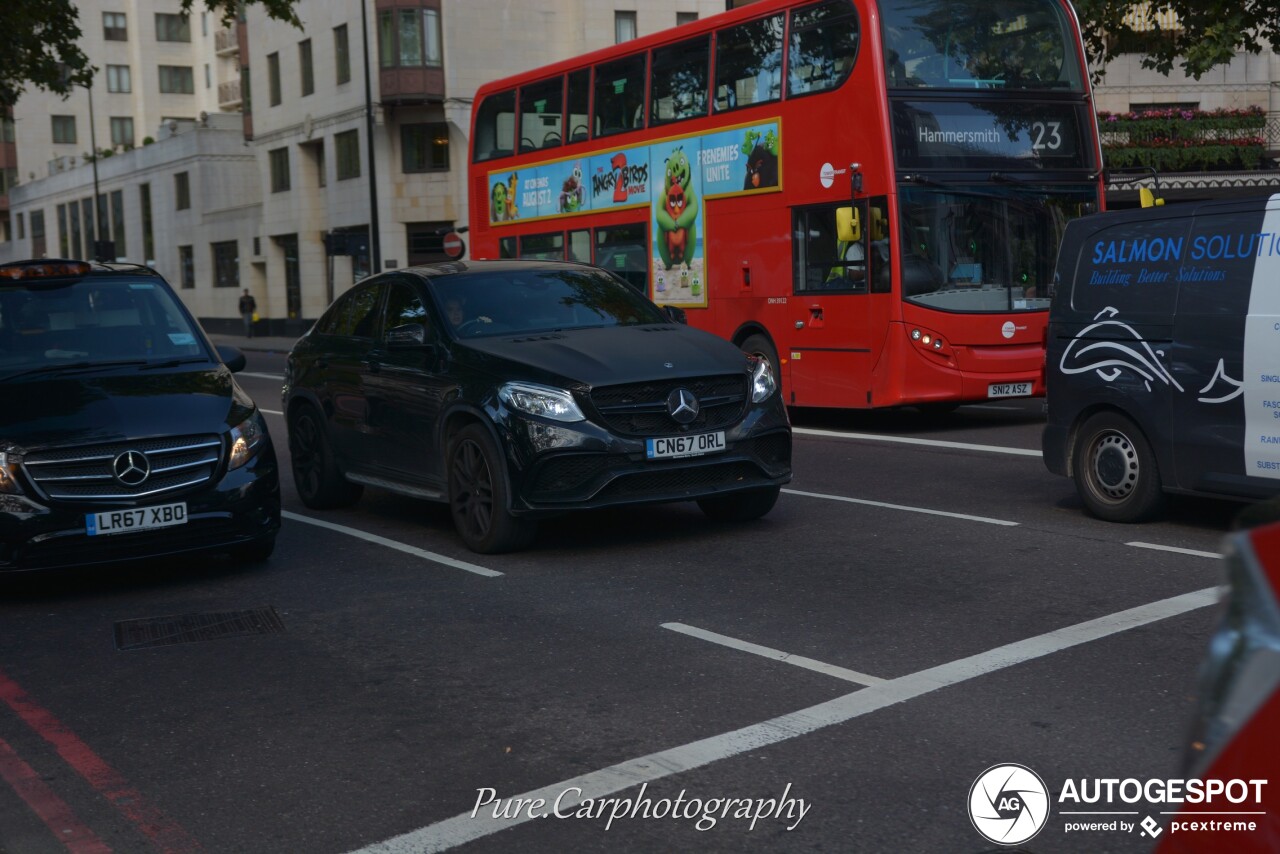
[(478, 499), (1115, 470), (744, 506), (316, 475)]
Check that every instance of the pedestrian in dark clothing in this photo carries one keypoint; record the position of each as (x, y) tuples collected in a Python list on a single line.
[(248, 312)]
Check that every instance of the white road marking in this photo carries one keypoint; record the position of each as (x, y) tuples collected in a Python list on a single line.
[(986, 519), (775, 654), (911, 440), (598, 784), (1174, 549), (261, 376), (392, 544), (270, 411)]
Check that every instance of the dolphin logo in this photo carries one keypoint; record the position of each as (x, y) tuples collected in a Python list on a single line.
[(1111, 357)]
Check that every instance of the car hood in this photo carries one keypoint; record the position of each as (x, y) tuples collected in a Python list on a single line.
[(106, 407), (618, 354)]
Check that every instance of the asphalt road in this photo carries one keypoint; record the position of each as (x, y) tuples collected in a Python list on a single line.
[(925, 601)]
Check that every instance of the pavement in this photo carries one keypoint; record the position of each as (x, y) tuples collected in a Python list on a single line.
[(256, 344)]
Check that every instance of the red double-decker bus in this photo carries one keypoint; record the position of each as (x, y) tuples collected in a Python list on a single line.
[(709, 165)]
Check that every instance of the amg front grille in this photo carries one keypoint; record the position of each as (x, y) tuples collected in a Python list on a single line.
[(640, 409), (88, 472)]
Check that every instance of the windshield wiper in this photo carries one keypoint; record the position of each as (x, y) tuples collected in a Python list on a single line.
[(75, 366), (173, 363)]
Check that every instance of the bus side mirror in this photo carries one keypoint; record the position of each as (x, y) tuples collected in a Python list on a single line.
[(848, 225), (1148, 198)]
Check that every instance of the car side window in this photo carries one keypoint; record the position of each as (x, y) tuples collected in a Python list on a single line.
[(403, 306), (361, 320)]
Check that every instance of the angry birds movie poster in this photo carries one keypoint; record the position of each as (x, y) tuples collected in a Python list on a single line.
[(678, 265)]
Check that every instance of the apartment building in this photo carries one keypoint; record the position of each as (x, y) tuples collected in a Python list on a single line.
[(280, 187)]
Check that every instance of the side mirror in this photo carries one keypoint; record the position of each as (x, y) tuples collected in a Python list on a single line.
[(406, 336), (232, 357), (1148, 198), (848, 225), (676, 314)]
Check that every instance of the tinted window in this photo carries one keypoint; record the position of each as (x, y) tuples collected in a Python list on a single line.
[(679, 81), (579, 103), (620, 249), (543, 247), (403, 306), (358, 316), (495, 127), (619, 95), (749, 63), (540, 114), (824, 46)]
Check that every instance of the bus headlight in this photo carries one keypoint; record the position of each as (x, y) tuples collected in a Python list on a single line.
[(763, 383), (9, 474), (246, 438), (543, 401)]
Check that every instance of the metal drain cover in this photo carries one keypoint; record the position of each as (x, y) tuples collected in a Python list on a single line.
[(192, 628)]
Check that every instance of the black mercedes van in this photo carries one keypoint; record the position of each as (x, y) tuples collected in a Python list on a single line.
[(1163, 355), (122, 432)]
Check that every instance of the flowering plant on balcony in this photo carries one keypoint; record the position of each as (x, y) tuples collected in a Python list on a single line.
[(1179, 140)]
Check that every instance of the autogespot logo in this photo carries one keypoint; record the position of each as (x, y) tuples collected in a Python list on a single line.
[(1008, 804)]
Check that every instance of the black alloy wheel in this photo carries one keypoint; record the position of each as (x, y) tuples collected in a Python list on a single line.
[(316, 475), (478, 499)]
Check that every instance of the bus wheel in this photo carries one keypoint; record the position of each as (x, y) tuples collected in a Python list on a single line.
[(1115, 470), (761, 347)]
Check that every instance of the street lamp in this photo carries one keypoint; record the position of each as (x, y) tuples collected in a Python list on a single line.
[(99, 246), (375, 239)]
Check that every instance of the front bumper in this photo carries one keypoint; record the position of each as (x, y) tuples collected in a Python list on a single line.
[(240, 509)]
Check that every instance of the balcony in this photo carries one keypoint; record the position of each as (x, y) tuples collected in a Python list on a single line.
[(229, 95), (225, 42)]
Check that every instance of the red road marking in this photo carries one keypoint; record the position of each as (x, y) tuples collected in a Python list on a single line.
[(163, 832), (53, 811)]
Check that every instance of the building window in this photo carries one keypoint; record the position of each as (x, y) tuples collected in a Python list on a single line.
[(425, 148), (115, 27), (278, 158), (226, 264), (118, 79), (182, 190), (187, 264), (122, 131), (172, 28), (117, 222), (346, 145), (342, 54), (208, 77), (409, 38), (6, 129), (624, 27), (64, 129), (683, 18), (273, 78), (304, 65), (148, 236), (177, 79), (63, 251), (22, 232)]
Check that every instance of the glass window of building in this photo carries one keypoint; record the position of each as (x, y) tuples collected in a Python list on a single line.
[(341, 54), (119, 79), (182, 190), (346, 146), (273, 79), (304, 66), (64, 129), (115, 27), (424, 147), (122, 131), (278, 158), (172, 28), (177, 80)]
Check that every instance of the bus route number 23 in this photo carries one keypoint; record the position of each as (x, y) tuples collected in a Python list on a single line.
[(1046, 136)]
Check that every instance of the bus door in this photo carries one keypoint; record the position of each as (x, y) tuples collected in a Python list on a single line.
[(838, 287)]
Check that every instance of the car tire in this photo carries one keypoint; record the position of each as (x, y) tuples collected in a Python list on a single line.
[(1115, 470), (761, 347), (316, 476), (478, 499), (744, 506), (259, 551)]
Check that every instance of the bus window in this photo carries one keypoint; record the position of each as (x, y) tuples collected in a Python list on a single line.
[(507, 247), (540, 114), (824, 46), (824, 262), (580, 246), (749, 64), (579, 105), (495, 127), (543, 247), (620, 249), (619, 95), (880, 270), (976, 44), (679, 81)]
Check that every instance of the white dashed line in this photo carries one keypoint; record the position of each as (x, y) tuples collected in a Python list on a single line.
[(910, 440), (279, 377), (775, 654), (1174, 549), (270, 411), (965, 516), (463, 828), (392, 544)]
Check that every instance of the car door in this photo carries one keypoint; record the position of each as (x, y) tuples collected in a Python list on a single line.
[(406, 387), (345, 363)]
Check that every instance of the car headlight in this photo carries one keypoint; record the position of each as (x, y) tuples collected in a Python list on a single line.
[(763, 383), (246, 438), (543, 401), (9, 475)]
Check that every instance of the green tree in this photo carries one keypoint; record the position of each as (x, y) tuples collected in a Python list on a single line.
[(1212, 32), (38, 42)]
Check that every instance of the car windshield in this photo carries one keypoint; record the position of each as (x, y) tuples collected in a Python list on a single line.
[(535, 300), (90, 322)]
